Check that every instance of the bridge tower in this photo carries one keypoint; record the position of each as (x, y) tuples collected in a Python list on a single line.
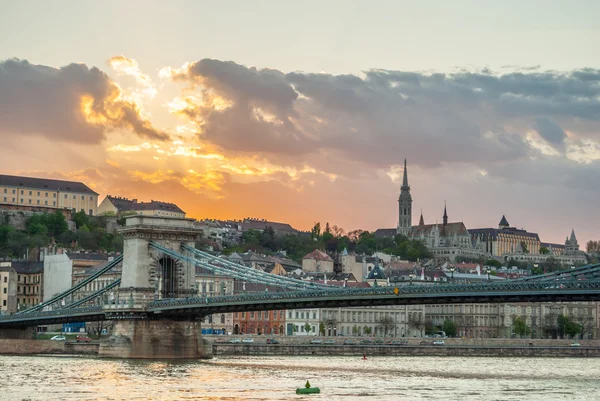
[(148, 275)]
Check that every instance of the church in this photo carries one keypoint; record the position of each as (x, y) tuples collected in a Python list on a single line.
[(445, 239)]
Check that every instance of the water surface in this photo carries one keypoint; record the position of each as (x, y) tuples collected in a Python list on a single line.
[(270, 378)]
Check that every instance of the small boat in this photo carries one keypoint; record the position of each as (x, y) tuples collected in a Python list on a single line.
[(308, 389)]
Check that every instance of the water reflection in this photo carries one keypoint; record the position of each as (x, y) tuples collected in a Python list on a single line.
[(264, 378)]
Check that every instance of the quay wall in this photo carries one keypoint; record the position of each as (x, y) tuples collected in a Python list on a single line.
[(35, 347), (409, 350)]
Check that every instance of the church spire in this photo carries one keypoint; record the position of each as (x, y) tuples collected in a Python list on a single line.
[(445, 214), (404, 206), (421, 221), (405, 179)]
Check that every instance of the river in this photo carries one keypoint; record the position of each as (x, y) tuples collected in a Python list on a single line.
[(266, 378)]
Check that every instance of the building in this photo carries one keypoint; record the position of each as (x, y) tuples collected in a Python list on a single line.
[(8, 288), (29, 283), (261, 224), (259, 322), (118, 205), (505, 240), (303, 322), (317, 261), (222, 231), (18, 191)]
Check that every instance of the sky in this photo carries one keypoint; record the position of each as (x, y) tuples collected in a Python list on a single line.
[(301, 112)]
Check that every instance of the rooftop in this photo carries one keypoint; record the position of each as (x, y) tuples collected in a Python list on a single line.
[(45, 184), (124, 205)]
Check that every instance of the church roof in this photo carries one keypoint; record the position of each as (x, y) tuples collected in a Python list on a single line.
[(573, 239), (457, 228), (504, 222), (385, 232)]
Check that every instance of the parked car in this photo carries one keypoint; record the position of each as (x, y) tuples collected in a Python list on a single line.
[(235, 341), (272, 341), (248, 340), (316, 341), (221, 340), (330, 342), (83, 339), (379, 341), (59, 338), (366, 342), (349, 342), (575, 345), (438, 342)]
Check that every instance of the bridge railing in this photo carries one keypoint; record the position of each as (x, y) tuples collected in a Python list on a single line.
[(52, 313), (397, 291)]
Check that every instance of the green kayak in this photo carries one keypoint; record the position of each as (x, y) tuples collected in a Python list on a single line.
[(311, 390)]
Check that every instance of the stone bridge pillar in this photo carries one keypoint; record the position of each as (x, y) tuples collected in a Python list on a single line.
[(149, 274)]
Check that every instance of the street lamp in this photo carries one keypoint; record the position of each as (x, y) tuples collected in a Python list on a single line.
[(452, 272), (131, 297)]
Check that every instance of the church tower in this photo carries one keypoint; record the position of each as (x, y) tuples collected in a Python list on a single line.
[(404, 206)]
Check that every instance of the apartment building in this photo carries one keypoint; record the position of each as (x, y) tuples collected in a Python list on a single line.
[(16, 191)]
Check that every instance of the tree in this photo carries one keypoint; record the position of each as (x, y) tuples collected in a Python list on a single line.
[(493, 263), (567, 326), (586, 323), (387, 324), (449, 328), (415, 321), (322, 328), (80, 218), (252, 237), (520, 326), (592, 247), (337, 231), (367, 330), (307, 328), (327, 228), (544, 250), (524, 247), (315, 233)]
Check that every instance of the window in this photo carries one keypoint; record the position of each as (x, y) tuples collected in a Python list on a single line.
[(54, 195), (13, 199), (4, 290), (46, 194), (21, 192), (38, 201), (251, 315), (29, 192), (65, 196), (30, 201), (74, 196), (82, 197), (13, 191), (46, 202), (5, 279), (5, 199), (53, 203), (90, 212), (259, 315), (4, 302), (91, 198)]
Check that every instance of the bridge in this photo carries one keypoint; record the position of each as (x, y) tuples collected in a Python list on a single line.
[(158, 309)]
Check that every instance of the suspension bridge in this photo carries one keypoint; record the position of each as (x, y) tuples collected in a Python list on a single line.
[(158, 308)]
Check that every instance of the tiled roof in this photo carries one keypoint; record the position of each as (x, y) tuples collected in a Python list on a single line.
[(318, 255), (124, 205), (492, 233), (256, 224), (45, 184), (385, 232), (28, 267), (88, 256), (457, 228), (553, 246)]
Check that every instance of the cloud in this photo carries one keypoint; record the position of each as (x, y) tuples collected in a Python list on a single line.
[(551, 132), (71, 104), (127, 66), (374, 120)]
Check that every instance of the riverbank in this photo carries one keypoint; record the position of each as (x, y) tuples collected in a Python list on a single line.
[(404, 350), (37, 347)]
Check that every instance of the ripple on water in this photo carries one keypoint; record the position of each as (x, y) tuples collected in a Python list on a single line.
[(265, 378)]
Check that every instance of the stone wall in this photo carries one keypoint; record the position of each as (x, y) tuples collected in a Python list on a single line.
[(33, 347), (372, 350)]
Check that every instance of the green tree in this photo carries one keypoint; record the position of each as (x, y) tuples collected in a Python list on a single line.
[(493, 263), (544, 250), (252, 237), (307, 328), (387, 324), (80, 218), (367, 330), (322, 328), (567, 326), (520, 327), (449, 328)]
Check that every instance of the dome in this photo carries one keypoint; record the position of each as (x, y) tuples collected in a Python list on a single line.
[(377, 273)]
